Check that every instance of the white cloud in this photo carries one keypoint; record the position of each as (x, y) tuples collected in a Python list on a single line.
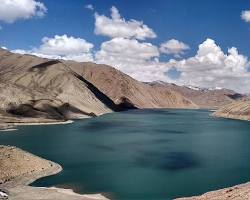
[(137, 59), (245, 15), (89, 6), (62, 47), (174, 47), (116, 26), (12, 10), (211, 67)]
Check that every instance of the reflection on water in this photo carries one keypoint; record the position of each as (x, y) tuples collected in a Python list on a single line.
[(142, 154)]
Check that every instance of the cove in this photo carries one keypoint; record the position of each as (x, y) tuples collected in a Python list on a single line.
[(142, 154)]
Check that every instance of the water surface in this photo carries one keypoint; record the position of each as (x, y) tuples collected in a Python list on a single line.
[(142, 154)]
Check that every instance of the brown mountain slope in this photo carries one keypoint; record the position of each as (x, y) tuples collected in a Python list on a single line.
[(50, 90), (236, 110), (126, 91), (36, 87), (205, 98)]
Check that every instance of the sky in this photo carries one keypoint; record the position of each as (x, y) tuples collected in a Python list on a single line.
[(204, 43)]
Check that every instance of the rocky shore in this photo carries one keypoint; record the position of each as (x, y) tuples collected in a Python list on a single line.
[(237, 110), (19, 169), (238, 192)]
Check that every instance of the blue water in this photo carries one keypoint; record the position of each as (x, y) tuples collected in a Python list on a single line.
[(142, 154)]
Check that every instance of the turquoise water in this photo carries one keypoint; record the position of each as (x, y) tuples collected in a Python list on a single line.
[(142, 154)]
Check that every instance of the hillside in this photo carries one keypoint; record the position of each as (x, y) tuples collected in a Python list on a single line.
[(204, 98), (236, 110), (34, 89), (47, 89), (126, 91)]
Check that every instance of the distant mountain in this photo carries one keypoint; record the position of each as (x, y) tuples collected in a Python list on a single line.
[(236, 110), (204, 97)]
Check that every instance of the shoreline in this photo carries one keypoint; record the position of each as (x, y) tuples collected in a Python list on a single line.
[(232, 117), (12, 126), (22, 183), (236, 192), (18, 187), (41, 123)]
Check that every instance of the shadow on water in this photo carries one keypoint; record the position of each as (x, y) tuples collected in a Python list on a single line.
[(104, 147), (168, 131), (98, 126), (150, 142), (101, 126), (171, 161), (174, 161), (151, 111), (133, 145)]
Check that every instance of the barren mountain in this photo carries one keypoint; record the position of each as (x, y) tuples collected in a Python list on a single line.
[(37, 87), (236, 110), (126, 91), (204, 98), (34, 89)]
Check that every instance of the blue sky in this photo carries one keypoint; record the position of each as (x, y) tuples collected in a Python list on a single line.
[(190, 22)]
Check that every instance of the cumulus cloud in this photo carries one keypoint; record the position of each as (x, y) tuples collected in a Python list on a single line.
[(116, 26), (174, 47), (137, 59), (89, 6), (12, 10), (62, 47), (245, 15), (211, 67)]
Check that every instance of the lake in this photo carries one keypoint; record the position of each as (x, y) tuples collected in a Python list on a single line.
[(142, 154)]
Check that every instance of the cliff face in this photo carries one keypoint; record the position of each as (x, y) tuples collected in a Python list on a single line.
[(128, 92), (236, 110), (36, 87)]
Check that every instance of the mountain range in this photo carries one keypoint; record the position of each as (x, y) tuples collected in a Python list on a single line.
[(34, 89)]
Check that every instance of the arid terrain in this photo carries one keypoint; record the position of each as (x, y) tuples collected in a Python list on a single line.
[(127, 92), (237, 110), (203, 97), (238, 192), (35, 90), (19, 168), (39, 90)]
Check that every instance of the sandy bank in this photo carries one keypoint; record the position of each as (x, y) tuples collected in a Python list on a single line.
[(11, 126), (238, 192), (42, 123), (19, 168)]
